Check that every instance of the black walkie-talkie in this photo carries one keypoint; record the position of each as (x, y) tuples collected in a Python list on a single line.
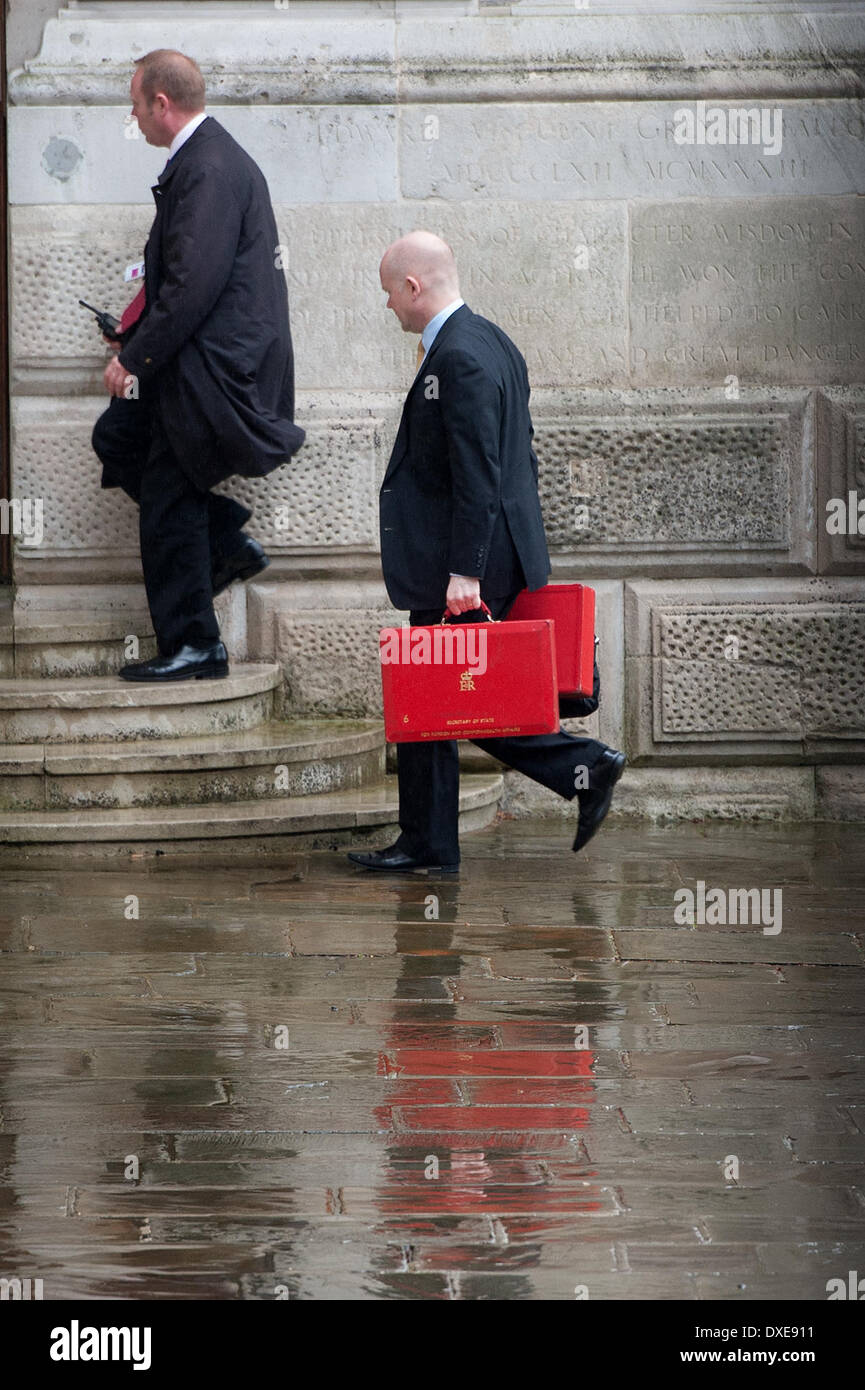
[(107, 323)]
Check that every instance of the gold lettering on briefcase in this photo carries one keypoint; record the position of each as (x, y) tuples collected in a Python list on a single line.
[(467, 681)]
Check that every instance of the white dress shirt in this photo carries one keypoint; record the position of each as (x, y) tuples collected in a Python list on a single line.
[(184, 133), (428, 336)]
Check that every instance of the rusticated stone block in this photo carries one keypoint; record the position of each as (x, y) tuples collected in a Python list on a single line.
[(60, 255), (665, 482), (325, 637), (326, 498), (841, 446), (52, 459), (331, 660), (775, 672)]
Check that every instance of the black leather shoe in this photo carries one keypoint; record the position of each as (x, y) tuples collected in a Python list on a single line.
[(595, 801), (190, 663), (395, 861), (243, 563)]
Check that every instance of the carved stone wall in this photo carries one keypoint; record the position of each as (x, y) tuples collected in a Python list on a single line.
[(692, 316)]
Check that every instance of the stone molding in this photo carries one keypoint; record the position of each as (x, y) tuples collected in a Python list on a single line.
[(287, 57)]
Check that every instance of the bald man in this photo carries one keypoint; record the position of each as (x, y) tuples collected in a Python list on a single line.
[(461, 523), (203, 384)]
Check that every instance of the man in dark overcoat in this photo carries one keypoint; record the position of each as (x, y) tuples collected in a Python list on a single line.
[(203, 384), (460, 523)]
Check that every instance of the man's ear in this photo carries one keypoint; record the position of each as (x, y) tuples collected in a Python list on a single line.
[(415, 286)]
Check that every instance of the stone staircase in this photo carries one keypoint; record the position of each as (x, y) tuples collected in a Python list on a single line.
[(92, 764)]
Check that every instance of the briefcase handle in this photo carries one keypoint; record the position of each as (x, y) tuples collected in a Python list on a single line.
[(446, 615)]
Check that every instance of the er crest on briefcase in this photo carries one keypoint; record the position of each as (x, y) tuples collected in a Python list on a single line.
[(469, 680)]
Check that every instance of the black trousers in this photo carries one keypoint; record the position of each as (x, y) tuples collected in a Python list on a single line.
[(185, 533), (428, 773)]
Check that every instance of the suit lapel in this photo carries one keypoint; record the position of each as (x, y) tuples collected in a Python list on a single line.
[(400, 448)]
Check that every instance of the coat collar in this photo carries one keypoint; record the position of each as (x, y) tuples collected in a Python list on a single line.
[(208, 128), (400, 444), (459, 315)]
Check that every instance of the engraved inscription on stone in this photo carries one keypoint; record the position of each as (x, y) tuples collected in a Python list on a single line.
[(554, 282), (624, 150), (770, 291)]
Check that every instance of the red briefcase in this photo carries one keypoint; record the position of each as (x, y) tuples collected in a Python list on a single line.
[(469, 680), (572, 608)]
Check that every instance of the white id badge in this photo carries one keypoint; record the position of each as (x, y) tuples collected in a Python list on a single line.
[(134, 271)]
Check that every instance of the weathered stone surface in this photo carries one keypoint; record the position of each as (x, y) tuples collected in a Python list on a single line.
[(274, 760), (64, 710), (768, 291), (279, 53), (623, 150), (53, 460), (658, 482), (699, 794), (841, 793), (309, 154), (326, 496), (330, 658), (7, 651), (841, 446), (774, 672)]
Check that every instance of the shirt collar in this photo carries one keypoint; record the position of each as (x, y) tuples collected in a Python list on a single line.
[(429, 334), (184, 133)]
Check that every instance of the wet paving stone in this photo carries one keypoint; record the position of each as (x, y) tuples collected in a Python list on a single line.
[(293, 1080)]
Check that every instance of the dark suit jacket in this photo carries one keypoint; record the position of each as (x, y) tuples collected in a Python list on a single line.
[(214, 341), (461, 490)]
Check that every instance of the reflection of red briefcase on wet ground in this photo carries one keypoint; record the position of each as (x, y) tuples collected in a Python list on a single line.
[(469, 680), (572, 609)]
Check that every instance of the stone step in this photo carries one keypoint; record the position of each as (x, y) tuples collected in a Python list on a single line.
[(316, 821), (276, 759), (7, 651), (69, 646), (80, 709), (79, 629)]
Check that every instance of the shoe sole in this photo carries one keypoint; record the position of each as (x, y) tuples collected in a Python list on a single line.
[(209, 673), (241, 576), (422, 870)]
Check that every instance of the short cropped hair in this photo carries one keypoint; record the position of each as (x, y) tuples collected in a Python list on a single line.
[(166, 70)]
